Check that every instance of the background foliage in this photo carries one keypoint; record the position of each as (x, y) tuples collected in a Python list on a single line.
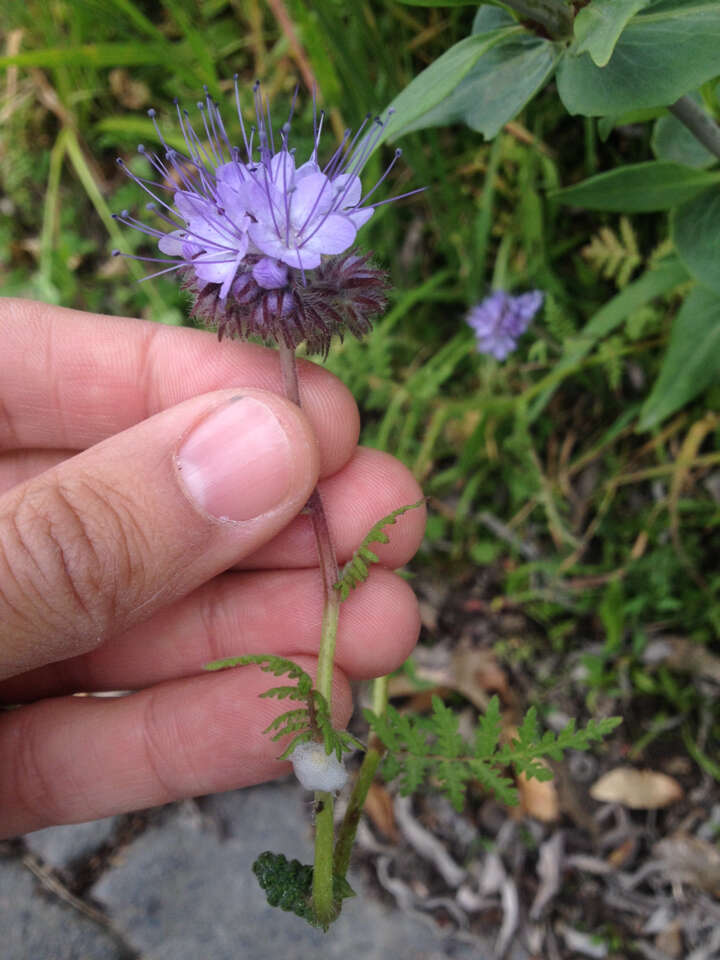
[(584, 470)]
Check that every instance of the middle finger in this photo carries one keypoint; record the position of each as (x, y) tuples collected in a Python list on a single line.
[(278, 612)]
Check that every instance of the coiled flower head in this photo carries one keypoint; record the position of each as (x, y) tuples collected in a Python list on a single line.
[(261, 241)]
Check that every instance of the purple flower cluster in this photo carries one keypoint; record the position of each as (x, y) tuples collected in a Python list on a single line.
[(244, 227), (500, 319)]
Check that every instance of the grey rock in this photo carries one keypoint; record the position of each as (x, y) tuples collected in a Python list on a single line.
[(62, 846), (36, 926), (185, 889)]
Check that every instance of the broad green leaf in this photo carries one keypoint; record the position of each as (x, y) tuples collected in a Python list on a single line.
[(598, 26), (664, 277), (692, 360), (490, 18), (639, 188), (695, 229), (436, 82), (671, 140), (497, 87), (666, 50)]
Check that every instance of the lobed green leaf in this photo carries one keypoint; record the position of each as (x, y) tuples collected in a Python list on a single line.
[(355, 570)]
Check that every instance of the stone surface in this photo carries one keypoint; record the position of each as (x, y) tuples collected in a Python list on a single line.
[(185, 889), (36, 926), (62, 846)]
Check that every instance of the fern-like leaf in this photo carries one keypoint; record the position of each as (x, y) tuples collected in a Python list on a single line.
[(292, 716), (490, 778), (278, 666), (489, 728), (526, 749), (614, 257), (284, 693), (422, 749), (356, 569), (306, 723), (448, 741)]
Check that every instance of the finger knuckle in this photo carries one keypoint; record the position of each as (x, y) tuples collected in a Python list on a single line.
[(71, 550)]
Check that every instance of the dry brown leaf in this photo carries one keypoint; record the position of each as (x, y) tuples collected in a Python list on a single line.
[(476, 673), (379, 807), (691, 860), (637, 789), (690, 657), (670, 940), (473, 672), (538, 798), (620, 855)]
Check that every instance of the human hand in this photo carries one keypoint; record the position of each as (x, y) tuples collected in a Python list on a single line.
[(150, 485)]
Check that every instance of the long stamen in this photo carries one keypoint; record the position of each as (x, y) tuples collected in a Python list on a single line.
[(318, 134), (337, 156), (240, 118), (286, 195), (210, 139), (125, 218), (269, 126), (215, 138), (197, 142), (396, 157), (261, 129), (400, 196)]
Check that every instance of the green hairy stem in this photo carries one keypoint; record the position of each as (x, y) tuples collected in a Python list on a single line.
[(363, 782), (322, 897)]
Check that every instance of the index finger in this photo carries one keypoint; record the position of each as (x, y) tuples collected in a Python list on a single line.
[(71, 379)]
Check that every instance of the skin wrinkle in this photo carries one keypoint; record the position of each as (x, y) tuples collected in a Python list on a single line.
[(153, 733), (64, 551), (212, 612), (50, 368), (8, 435), (29, 785), (72, 563), (146, 373), (27, 586), (128, 564), (84, 561)]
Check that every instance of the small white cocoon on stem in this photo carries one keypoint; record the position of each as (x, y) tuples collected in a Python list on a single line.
[(317, 770)]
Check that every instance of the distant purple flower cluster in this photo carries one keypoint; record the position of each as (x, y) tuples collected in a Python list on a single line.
[(242, 223), (501, 318)]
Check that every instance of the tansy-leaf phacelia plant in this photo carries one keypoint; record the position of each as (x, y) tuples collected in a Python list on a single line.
[(264, 243)]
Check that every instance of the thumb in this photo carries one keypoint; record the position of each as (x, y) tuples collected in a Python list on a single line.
[(104, 539)]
